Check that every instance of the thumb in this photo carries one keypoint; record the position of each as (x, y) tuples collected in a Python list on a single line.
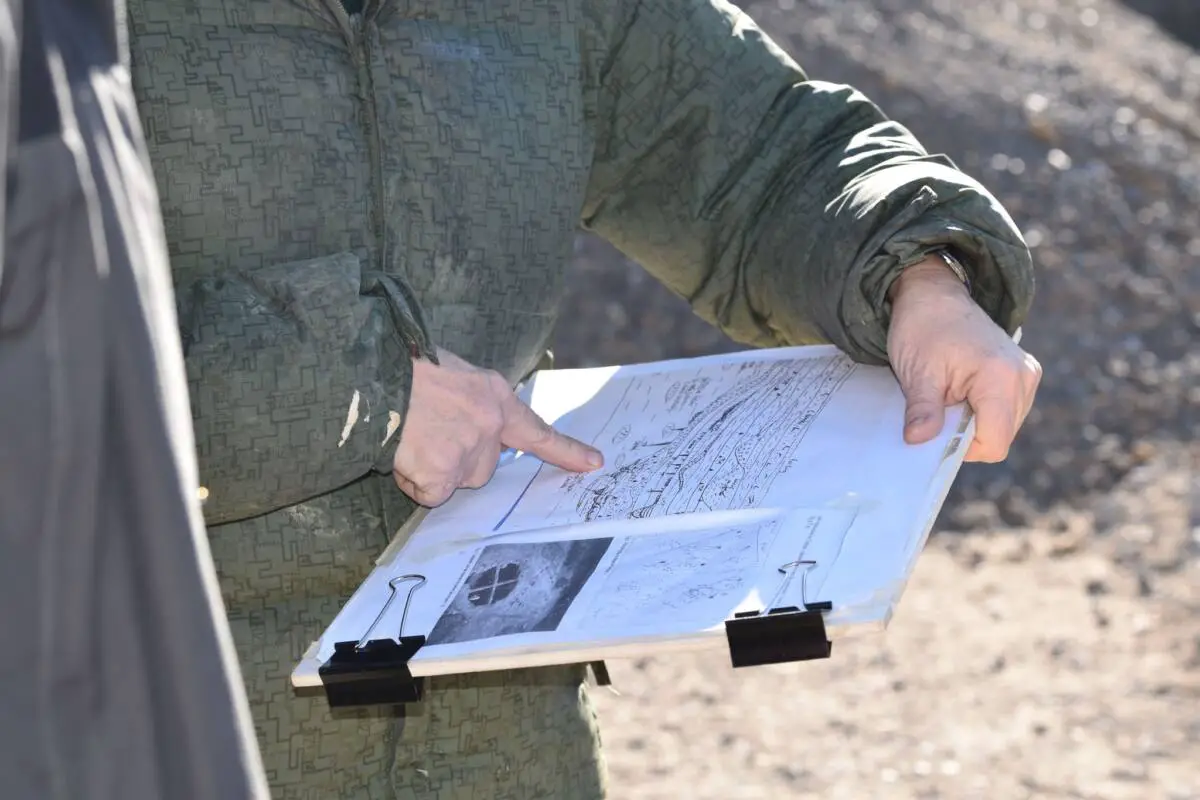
[(525, 430), (925, 411)]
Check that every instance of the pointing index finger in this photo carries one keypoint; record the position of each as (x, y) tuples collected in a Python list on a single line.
[(525, 430)]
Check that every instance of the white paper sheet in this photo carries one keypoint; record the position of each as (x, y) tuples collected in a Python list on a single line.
[(719, 472)]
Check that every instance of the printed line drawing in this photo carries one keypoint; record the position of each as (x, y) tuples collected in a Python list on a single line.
[(686, 575), (694, 455)]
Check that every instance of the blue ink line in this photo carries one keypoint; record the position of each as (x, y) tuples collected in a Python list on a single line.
[(517, 502)]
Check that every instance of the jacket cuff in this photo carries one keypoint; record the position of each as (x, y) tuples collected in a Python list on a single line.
[(413, 342), (999, 272), (387, 429)]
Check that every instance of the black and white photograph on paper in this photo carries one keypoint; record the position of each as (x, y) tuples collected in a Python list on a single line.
[(518, 588)]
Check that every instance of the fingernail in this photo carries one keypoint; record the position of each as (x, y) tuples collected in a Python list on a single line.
[(595, 459), (916, 422)]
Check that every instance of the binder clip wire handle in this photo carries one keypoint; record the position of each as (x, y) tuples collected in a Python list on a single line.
[(778, 635), (375, 671), (823, 605), (393, 584)]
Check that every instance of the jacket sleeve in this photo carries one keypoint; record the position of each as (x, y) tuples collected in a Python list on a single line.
[(780, 207), (299, 375)]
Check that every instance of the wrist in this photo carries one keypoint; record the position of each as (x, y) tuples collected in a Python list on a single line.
[(939, 271)]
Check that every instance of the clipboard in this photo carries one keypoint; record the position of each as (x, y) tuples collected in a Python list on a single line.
[(375, 671), (720, 468)]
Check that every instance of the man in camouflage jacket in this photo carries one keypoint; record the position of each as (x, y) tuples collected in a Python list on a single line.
[(370, 210)]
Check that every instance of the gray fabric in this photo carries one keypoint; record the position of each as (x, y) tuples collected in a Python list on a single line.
[(118, 679), (339, 191)]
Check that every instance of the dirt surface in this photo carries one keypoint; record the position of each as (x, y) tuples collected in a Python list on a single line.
[(1049, 643), (1056, 662)]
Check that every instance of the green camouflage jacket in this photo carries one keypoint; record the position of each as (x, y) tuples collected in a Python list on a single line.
[(342, 191)]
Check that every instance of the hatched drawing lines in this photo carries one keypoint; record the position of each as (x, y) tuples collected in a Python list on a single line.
[(727, 454), (693, 574)]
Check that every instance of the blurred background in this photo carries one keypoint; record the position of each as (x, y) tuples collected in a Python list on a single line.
[(1049, 643)]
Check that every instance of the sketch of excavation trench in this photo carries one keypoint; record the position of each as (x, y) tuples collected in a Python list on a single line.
[(709, 464)]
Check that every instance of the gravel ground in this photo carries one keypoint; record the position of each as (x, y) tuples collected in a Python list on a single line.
[(1061, 661), (1049, 643)]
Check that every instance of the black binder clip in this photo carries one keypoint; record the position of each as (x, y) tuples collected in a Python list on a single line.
[(780, 635), (375, 671), (600, 673)]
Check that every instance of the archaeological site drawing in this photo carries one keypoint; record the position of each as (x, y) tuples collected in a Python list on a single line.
[(714, 437), (691, 578)]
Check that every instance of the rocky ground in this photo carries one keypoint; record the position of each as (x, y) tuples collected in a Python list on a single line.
[(1049, 643)]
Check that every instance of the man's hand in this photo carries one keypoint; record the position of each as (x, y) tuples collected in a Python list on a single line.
[(945, 350), (459, 419)]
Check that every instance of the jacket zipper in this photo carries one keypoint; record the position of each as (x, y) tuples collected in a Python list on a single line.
[(358, 41), (362, 54)]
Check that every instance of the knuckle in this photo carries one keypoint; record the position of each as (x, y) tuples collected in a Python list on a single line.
[(438, 463), (405, 485), (487, 415), (495, 383), (433, 491), (926, 404), (1003, 366), (540, 430), (491, 420), (419, 485), (473, 401), (441, 465), (434, 497), (479, 478)]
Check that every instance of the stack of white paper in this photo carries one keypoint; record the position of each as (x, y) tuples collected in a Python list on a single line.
[(740, 482)]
